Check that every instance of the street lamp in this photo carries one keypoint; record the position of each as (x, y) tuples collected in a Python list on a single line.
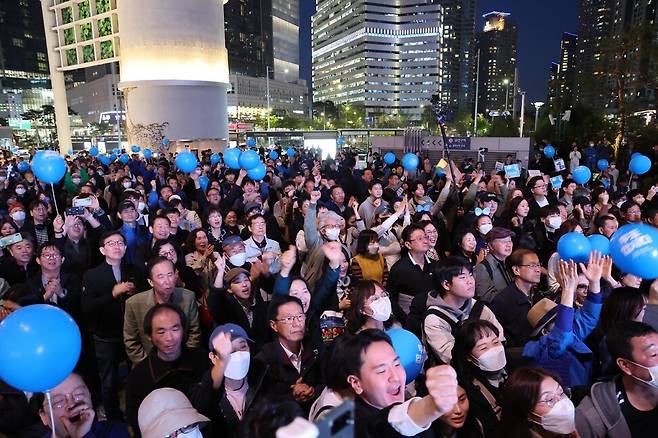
[(506, 83), (537, 106)]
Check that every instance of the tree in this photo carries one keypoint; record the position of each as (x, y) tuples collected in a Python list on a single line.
[(99, 129), (503, 127), (624, 55)]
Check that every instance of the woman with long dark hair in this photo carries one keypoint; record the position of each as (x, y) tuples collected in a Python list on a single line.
[(535, 406)]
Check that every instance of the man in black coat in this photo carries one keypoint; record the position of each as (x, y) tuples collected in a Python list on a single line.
[(104, 292), (295, 367), (228, 390), (170, 364)]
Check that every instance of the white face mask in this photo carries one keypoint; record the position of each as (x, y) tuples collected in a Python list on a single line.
[(127, 185), (18, 215), (20, 191), (373, 248), (194, 433), (140, 206), (76, 180), (492, 360), (484, 229), (653, 371), (332, 233), (238, 259), (381, 309), (238, 365), (560, 419), (554, 222)]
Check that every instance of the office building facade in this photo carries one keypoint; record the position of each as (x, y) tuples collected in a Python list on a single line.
[(497, 48), (384, 57)]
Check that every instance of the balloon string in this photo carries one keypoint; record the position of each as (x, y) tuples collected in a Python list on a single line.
[(52, 187), (50, 410)]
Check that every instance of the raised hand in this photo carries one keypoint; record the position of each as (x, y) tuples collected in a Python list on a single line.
[(441, 382), (333, 252), (288, 260), (567, 275), (595, 267), (315, 196)]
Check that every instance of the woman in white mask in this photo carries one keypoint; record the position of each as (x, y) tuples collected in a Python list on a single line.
[(166, 412), (370, 308), (479, 359), (228, 390), (535, 405)]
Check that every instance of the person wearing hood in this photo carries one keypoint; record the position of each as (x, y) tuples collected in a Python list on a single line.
[(450, 305), (228, 390)]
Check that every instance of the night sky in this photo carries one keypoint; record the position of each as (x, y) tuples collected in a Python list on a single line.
[(540, 25)]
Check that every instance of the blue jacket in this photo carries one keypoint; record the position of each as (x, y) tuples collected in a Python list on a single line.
[(563, 351)]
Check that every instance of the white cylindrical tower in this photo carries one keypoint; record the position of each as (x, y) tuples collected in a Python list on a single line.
[(174, 69)]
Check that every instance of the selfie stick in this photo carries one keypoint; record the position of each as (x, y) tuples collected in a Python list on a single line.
[(441, 111), (52, 416)]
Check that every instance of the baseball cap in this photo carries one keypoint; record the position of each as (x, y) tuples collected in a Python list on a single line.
[(232, 329), (166, 410), (234, 272), (231, 240), (487, 196), (499, 233), (250, 206)]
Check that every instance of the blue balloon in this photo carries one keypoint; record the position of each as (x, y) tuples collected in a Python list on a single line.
[(635, 154), (50, 167), (214, 159), (274, 155), (232, 158), (549, 151), (186, 161), (440, 171), (69, 151), (23, 166), (14, 149), (203, 182), (116, 151), (389, 158), (93, 151), (581, 174), (113, 157), (634, 249), (640, 164), (410, 161), (251, 142), (104, 159), (599, 243), (410, 350), (148, 154), (165, 141), (257, 173), (602, 164), (340, 141), (40, 345), (135, 148), (124, 158), (290, 152), (574, 246), (249, 159)]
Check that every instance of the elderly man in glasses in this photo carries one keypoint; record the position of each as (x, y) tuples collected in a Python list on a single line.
[(294, 365)]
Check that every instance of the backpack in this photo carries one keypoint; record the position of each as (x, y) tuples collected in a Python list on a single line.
[(453, 322)]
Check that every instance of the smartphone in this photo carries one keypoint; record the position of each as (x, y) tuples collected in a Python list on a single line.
[(10, 240), (75, 211), (339, 422), (82, 202)]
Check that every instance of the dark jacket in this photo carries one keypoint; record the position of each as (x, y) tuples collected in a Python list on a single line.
[(215, 405), (72, 284), (225, 308), (79, 257), (511, 307), (154, 373), (14, 274), (371, 422), (104, 312), (281, 373), (407, 278), (599, 414), (104, 429), (540, 241)]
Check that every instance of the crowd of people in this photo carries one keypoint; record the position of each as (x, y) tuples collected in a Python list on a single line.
[(239, 307)]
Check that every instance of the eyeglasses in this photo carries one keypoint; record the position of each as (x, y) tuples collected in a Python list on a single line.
[(551, 400), (60, 402), (258, 224), (582, 286), (50, 256), (288, 320), (115, 243), (168, 253), (419, 238), (532, 266), (383, 294), (181, 431)]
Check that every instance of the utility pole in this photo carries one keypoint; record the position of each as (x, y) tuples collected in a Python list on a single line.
[(522, 113), (267, 82)]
